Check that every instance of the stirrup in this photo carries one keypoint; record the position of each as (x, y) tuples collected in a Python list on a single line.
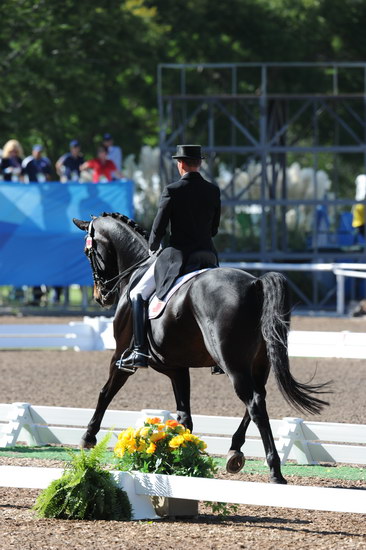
[(128, 359), (119, 365), (130, 370)]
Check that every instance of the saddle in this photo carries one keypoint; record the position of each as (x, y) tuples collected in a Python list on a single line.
[(197, 262), (157, 306)]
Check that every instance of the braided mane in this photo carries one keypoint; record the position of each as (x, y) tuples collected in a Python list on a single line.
[(128, 221)]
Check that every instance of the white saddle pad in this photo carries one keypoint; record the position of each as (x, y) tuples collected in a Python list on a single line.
[(157, 306)]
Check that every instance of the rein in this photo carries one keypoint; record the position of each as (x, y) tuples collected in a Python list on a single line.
[(98, 280)]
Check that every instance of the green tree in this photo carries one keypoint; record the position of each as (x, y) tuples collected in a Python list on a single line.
[(77, 69)]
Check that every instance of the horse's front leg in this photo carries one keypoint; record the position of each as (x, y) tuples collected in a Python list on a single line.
[(181, 384), (117, 379)]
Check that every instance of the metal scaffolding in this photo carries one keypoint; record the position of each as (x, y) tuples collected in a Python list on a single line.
[(255, 120)]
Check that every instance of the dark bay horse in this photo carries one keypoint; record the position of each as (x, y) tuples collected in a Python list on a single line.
[(224, 317)]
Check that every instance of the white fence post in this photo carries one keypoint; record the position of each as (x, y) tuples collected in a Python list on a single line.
[(19, 418), (292, 439), (340, 293)]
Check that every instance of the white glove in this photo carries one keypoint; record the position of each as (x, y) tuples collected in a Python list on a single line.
[(155, 252)]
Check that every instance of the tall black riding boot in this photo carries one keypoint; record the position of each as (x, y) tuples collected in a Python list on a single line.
[(139, 357)]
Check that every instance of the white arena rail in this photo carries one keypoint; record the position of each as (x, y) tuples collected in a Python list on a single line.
[(341, 345), (296, 439), (96, 333), (140, 487)]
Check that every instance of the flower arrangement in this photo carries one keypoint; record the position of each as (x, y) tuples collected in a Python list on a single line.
[(163, 448)]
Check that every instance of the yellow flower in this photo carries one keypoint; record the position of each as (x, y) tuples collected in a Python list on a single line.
[(157, 436), (176, 441), (151, 448), (132, 447), (141, 446), (144, 432), (120, 448), (189, 437), (126, 435)]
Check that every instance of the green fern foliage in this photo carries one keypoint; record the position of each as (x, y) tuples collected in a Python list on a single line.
[(85, 491)]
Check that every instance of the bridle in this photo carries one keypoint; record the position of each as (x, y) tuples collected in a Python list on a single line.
[(99, 281)]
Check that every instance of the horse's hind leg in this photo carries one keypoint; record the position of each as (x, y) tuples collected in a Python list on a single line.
[(259, 415), (254, 398), (235, 459), (117, 378)]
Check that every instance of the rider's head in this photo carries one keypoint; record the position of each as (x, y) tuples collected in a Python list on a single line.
[(188, 158), (188, 165)]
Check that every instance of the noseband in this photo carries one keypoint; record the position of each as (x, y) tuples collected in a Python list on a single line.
[(99, 281)]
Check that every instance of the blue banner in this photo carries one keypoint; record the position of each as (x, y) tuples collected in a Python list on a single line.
[(39, 244)]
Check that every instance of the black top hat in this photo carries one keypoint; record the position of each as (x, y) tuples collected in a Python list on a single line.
[(188, 152)]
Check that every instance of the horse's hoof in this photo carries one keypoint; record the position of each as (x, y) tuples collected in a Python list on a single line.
[(88, 442), (280, 480), (234, 462)]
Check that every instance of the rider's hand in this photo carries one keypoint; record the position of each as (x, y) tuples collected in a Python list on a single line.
[(155, 252)]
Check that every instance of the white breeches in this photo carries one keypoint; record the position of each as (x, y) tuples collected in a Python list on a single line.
[(146, 285)]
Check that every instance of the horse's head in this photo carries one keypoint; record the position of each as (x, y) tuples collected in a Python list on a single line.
[(113, 244)]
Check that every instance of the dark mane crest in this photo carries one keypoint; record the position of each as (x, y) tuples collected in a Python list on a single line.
[(128, 221)]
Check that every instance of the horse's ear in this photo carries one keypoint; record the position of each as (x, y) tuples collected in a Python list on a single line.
[(84, 226)]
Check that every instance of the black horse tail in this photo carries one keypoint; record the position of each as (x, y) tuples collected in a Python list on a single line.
[(275, 325)]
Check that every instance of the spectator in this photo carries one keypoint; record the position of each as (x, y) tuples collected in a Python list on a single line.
[(358, 210), (11, 162), (68, 165), (36, 167), (103, 168), (358, 219), (114, 152)]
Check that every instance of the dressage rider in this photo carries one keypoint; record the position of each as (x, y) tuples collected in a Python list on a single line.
[(192, 207)]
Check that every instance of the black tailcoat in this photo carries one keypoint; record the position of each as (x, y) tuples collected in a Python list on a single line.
[(192, 207)]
